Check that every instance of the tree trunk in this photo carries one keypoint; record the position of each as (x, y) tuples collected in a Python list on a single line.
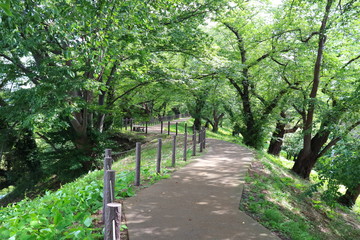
[(305, 161), (277, 139), (217, 120), (349, 198), (197, 123), (215, 127), (308, 155)]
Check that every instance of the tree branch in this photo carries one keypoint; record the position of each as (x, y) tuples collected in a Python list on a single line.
[(47, 140), (337, 139), (22, 68), (237, 87), (281, 64), (128, 91), (240, 42), (266, 55)]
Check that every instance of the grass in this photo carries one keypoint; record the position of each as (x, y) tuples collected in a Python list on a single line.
[(277, 199), (73, 211)]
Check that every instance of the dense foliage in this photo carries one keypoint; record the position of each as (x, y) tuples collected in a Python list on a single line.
[(71, 70)]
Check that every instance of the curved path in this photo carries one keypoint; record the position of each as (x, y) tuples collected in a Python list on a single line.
[(200, 201)]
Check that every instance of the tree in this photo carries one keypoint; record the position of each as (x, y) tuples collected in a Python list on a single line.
[(68, 65), (247, 45), (327, 61)]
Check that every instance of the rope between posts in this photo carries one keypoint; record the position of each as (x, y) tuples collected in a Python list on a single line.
[(120, 153)]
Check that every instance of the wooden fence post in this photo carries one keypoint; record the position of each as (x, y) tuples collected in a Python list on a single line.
[(107, 163), (176, 128), (168, 127), (109, 187), (138, 163), (161, 127), (205, 139), (131, 124), (158, 160), (108, 152), (185, 144), (194, 144), (200, 141), (173, 158), (146, 127), (113, 221)]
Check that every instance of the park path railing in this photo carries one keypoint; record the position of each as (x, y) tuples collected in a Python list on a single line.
[(133, 124), (111, 209)]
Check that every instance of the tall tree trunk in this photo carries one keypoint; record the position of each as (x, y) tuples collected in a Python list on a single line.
[(350, 196), (308, 156)]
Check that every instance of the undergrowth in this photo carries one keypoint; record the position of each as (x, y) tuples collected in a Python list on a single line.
[(279, 200), (69, 212)]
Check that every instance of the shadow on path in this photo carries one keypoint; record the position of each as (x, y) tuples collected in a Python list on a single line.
[(199, 201)]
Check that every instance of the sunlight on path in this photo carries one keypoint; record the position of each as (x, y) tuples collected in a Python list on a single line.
[(200, 201)]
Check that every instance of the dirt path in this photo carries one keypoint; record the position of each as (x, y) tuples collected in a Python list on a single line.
[(199, 201)]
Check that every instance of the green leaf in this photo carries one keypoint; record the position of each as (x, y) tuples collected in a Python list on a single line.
[(88, 221), (6, 8)]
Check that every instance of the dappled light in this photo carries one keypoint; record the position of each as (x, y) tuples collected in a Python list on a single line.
[(200, 201)]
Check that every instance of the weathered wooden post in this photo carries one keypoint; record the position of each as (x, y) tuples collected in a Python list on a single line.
[(185, 143), (107, 152), (131, 124), (194, 144), (113, 221), (161, 127), (200, 141), (205, 139), (109, 187), (107, 163), (173, 158), (176, 128), (146, 127), (168, 127), (158, 160), (138, 163)]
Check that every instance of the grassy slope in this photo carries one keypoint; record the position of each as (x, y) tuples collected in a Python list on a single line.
[(72, 212), (277, 198)]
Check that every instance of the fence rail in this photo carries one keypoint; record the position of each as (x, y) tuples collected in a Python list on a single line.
[(111, 209), (140, 125)]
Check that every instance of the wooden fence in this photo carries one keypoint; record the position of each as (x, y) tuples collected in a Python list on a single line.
[(111, 209), (133, 124)]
